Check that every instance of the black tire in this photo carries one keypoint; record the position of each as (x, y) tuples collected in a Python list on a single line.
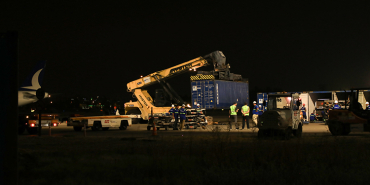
[(96, 126), (148, 128), (105, 128), (261, 133), (158, 128), (165, 127), (287, 133), (32, 130), (134, 112), (336, 128), (123, 127), (346, 129), (298, 133), (195, 126), (21, 128), (78, 129)]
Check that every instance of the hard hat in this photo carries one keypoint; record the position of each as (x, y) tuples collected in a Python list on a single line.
[(254, 102), (115, 107), (367, 102), (183, 105), (335, 101), (198, 104), (173, 105), (304, 104)]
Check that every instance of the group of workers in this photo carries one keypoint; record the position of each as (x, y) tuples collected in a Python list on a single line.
[(177, 113), (257, 111)]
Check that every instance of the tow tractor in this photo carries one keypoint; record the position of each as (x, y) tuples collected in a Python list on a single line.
[(282, 116), (30, 122)]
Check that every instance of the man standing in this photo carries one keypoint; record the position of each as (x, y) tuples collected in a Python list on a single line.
[(336, 106), (115, 111), (255, 113), (174, 111), (233, 113), (312, 117), (182, 113), (245, 112), (303, 109)]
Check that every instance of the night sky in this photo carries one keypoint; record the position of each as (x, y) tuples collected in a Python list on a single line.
[(97, 48)]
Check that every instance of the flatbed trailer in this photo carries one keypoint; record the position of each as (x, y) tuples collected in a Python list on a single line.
[(102, 122)]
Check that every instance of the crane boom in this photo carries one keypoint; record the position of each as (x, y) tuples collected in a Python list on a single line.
[(217, 58)]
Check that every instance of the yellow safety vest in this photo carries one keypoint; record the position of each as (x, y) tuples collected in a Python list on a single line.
[(232, 109), (245, 110)]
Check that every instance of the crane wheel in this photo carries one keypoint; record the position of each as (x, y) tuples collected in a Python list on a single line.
[(336, 128)]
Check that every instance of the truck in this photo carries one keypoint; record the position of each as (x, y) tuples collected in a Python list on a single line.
[(352, 117), (146, 107), (281, 116), (30, 122), (101, 122)]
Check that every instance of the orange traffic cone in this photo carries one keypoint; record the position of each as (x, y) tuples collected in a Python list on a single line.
[(154, 129)]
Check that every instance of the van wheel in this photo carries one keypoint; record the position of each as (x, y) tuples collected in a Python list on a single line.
[(105, 128), (123, 127), (298, 133)]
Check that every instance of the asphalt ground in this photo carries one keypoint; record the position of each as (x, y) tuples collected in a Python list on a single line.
[(140, 130)]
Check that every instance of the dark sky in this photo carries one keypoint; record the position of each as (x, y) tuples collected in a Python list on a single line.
[(97, 48)]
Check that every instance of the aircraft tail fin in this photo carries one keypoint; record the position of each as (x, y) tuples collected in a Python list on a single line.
[(34, 79)]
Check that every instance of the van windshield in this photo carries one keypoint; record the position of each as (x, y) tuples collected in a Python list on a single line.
[(279, 102)]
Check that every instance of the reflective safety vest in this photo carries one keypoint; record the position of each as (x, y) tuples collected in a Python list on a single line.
[(245, 110), (255, 109), (176, 111), (336, 106), (367, 107), (303, 109), (232, 110)]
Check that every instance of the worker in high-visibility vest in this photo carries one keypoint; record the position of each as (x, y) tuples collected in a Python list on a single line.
[(255, 113), (303, 109), (182, 113), (233, 113), (367, 106), (245, 112), (336, 106)]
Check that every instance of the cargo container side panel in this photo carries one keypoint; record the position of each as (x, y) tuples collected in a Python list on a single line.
[(202, 93), (230, 92)]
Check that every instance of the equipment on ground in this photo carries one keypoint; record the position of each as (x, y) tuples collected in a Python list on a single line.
[(343, 121), (282, 116), (166, 96)]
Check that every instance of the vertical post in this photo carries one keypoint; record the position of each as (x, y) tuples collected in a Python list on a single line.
[(85, 129), (39, 128), (154, 128), (9, 103)]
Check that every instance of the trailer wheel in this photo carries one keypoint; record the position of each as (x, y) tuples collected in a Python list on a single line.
[(105, 128), (77, 128), (123, 127), (165, 127), (96, 126), (32, 130), (195, 126), (298, 132), (148, 128)]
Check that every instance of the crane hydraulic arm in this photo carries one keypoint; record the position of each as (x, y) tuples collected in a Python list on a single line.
[(217, 58)]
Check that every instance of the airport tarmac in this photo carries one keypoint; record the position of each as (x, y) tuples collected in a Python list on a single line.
[(141, 130)]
